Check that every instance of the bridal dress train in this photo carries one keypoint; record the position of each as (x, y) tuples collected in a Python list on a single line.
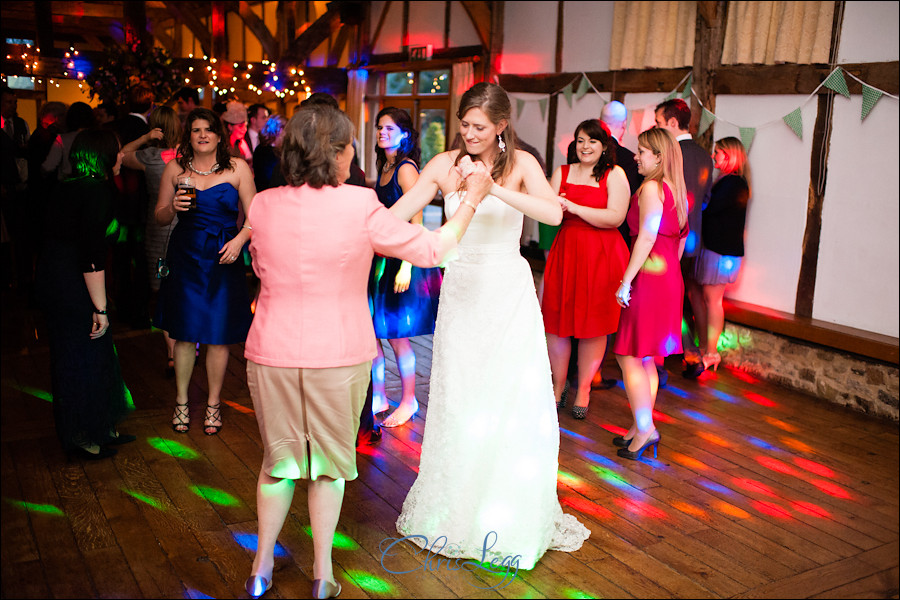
[(486, 487)]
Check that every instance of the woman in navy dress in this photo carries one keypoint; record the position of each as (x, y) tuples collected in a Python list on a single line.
[(403, 298), (204, 299)]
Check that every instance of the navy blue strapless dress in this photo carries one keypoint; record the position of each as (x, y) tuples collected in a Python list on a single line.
[(202, 300), (413, 312)]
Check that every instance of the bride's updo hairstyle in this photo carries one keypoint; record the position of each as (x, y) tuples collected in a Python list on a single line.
[(493, 101), (312, 140)]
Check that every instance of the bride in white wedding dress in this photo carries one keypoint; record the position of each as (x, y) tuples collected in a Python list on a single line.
[(486, 487)]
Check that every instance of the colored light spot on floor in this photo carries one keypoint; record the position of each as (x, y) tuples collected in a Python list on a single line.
[(743, 376), (613, 429), (696, 416), (573, 593), (240, 407), (662, 417), (715, 487), (777, 465), (575, 436), (797, 445), (146, 499), (586, 507), (172, 448), (752, 485), (724, 397), (370, 583), (46, 509), (761, 443), (813, 467), (640, 508), (31, 391), (713, 439), (771, 509), (599, 459), (730, 509), (832, 489), (576, 483), (808, 508), (687, 461), (250, 541), (781, 424), (612, 478), (214, 495), (340, 540), (688, 509), (761, 400)]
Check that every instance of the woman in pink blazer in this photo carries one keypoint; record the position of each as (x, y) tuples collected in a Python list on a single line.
[(310, 348)]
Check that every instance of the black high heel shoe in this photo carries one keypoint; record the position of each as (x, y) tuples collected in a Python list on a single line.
[(621, 441), (636, 455)]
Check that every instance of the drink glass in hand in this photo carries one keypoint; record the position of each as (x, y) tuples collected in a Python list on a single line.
[(186, 187)]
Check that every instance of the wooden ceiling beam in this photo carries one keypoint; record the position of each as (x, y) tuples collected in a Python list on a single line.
[(185, 13), (323, 28), (480, 15), (257, 27)]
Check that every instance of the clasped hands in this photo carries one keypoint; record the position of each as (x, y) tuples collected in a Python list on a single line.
[(623, 294), (478, 179)]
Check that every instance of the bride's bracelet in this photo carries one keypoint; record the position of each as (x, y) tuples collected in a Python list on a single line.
[(474, 207)]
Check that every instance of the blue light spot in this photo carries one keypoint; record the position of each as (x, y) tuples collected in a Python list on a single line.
[(715, 487), (250, 541), (761, 443), (691, 243), (192, 593), (671, 344), (723, 396), (676, 391), (696, 415), (575, 436), (600, 460)]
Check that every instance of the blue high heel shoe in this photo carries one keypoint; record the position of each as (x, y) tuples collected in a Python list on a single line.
[(257, 585), (636, 455)]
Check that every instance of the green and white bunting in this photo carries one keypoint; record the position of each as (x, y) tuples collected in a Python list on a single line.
[(583, 86), (706, 119), (543, 104), (747, 135), (837, 82), (794, 120), (520, 104), (686, 92), (870, 97), (567, 93)]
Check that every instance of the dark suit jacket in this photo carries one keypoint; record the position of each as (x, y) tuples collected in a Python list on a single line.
[(698, 169)]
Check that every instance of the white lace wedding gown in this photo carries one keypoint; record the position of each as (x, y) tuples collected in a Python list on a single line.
[(491, 443)]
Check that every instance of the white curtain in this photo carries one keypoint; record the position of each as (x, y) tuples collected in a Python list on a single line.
[(462, 77), (653, 35), (356, 110), (778, 32)]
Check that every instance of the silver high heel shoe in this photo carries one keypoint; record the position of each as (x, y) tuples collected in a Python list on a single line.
[(257, 585), (325, 589)]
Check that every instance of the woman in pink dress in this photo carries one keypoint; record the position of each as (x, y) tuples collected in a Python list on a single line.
[(586, 261), (311, 345), (652, 290)]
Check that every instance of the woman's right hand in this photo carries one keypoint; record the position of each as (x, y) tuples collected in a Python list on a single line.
[(100, 326), (181, 202), (623, 294), (478, 180)]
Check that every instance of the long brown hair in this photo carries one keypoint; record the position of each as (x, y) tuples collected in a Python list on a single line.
[(186, 151), (166, 119), (671, 166), (494, 102), (409, 146)]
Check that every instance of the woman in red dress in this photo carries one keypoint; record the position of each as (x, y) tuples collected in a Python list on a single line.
[(586, 261), (652, 290)]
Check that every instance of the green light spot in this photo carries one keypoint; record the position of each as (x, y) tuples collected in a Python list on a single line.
[(172, 448), (33, 391), (610, 476), (573, 593), (112, 228), (341, 541), (145, 499), (215, 496), (370, 583), (47, 509)]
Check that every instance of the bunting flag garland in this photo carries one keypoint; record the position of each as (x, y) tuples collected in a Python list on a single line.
[(795, 121), (747, 135), (706, 119), (543, 104), (520, 104), (686, 93), (583, 87), (870, 97), (671, 96), (567, 93), (836, 82)]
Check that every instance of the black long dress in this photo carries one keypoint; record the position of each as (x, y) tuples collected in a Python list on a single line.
[(89, 395)]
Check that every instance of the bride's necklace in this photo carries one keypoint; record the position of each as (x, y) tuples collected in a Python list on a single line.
[(210, 172)]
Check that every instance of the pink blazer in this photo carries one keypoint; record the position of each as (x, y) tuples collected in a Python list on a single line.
[(312, 250)]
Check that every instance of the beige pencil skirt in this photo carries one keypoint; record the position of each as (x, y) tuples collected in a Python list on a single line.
[(308, 418)]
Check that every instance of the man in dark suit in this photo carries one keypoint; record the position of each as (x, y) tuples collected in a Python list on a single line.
[(675, 115)]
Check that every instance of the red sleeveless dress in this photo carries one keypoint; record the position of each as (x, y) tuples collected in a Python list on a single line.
[(651, 325), (583, 271)]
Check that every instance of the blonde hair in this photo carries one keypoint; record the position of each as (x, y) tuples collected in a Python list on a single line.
[(671, 167), (736, 161)]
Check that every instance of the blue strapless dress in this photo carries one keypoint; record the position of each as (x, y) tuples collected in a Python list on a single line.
[(201, 300)]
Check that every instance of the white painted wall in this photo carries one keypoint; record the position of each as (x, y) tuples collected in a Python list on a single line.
[(587, 29), (859, 256), (870, 32), (529, 37)]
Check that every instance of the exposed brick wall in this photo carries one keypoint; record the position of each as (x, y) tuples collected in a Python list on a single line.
[(845, 379)]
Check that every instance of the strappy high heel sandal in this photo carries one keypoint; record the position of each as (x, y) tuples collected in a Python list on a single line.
[(181, 422), (212, 414)]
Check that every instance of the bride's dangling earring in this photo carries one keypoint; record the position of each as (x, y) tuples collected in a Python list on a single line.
[(501, 143)]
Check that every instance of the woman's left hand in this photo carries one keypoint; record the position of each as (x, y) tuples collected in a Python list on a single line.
[(401, 281), (230, 252), (623, 294), (100, 326)]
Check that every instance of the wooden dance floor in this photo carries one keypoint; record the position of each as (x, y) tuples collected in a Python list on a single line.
[(757, 492)]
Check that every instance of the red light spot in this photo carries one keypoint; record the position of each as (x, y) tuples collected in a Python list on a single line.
[(761, 400), (808, 508), (640, 508), (240, 407), (753, 486), (613, 429), (771, 509), (832, 489), (662, 418), (745, 377), (777, 465), (813, 467), (586, 507)]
